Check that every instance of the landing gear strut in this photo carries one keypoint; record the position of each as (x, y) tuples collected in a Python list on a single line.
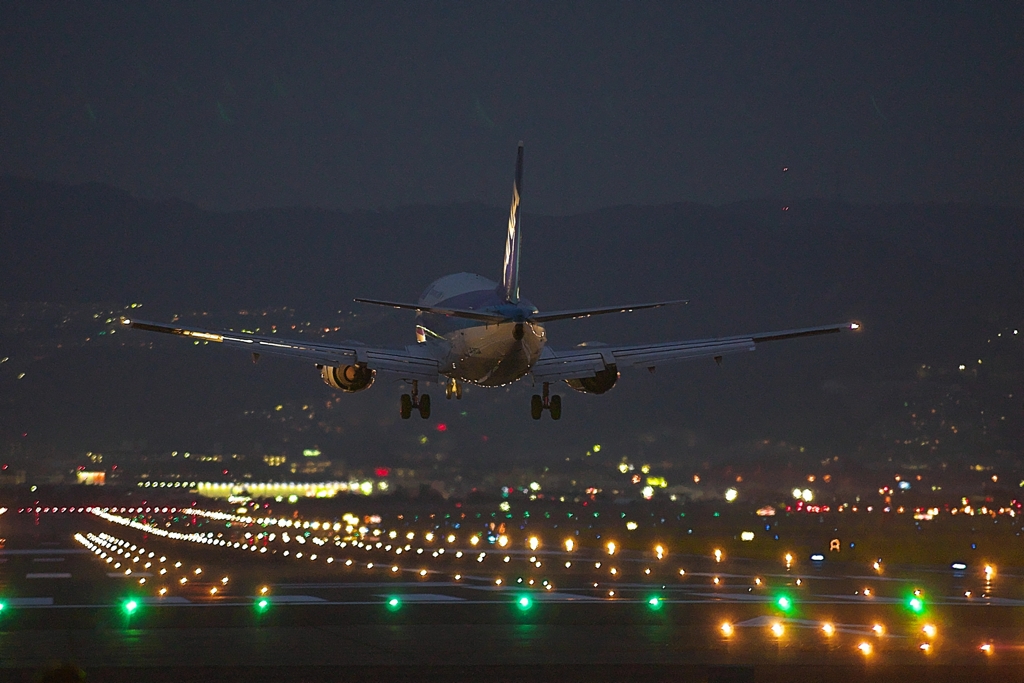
[(453, 388), (414, 400), (553, 404)]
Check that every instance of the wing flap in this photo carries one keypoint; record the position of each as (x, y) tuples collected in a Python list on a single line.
[(409, 363), (578, 363)]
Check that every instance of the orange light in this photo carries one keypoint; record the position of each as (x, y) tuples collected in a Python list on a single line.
[(726, 629)]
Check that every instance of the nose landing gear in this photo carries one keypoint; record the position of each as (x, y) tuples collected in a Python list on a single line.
[(414, 400), (453, 388), (540, 403)]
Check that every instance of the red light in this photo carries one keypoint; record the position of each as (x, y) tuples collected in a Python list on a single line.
[(382, 471), (442, 427)]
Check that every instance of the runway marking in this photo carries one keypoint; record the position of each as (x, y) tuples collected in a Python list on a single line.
[(29, 602), (298, 599), (424, 597), (133, 575), (46, 551), (48, 575), (48, 559)]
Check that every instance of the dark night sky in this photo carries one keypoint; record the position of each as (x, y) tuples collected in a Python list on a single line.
[(356, 105)]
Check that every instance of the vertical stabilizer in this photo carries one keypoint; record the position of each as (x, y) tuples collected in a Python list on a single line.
[(510, 278)]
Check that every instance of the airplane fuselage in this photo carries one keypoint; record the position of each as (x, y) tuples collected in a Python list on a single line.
[(485, 354)]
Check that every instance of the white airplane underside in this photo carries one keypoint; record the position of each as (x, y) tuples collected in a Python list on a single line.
[(473, 330)]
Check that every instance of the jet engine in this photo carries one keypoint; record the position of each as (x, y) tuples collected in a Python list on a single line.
[(598, 384), (348, 378)]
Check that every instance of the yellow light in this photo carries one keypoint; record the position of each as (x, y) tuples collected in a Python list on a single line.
[(611, 594), (614, 571), (534, 543), (865, 648), (925, 647), (929, 630), (682, 572), (458, 577), (611, 547), (474, 540), (659, 550), (497, 582), (986, 648), (867, 592), (264, 590), (778, 629), (757, 581), (789, 559), (503, 540), (726, 629), (718, 555), (828, 629), (183, 581), (716, 580), (423, 572), (451, 538), (569, 545), (224, 580), (162, 591), (878, 629), (989, 572), (213, 591)]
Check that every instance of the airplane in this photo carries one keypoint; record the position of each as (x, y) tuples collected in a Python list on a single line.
[(471, 330)]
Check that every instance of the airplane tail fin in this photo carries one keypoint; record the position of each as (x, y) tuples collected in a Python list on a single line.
[(510, 277)]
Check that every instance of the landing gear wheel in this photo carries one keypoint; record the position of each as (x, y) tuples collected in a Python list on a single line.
[(536, 407), (458, 391), (406, 406), (425, 406), (555, 407)]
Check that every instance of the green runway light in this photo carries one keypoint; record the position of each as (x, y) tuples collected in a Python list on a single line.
[(784, 603), (524, 603), (131, 606), (394, 604), (916, 604), (262, 604), (654, 602)]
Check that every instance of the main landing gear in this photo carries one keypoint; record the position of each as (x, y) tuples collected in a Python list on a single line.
[(553, 404), (414, 400)]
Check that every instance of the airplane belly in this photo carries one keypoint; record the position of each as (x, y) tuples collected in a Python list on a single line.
[(491, 355)]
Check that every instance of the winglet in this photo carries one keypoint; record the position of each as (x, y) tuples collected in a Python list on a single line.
[(510, 277)]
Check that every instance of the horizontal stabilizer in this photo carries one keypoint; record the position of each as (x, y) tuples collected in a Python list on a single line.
[(587, 312), (452, 312)]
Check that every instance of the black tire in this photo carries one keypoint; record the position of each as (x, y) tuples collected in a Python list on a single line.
[(458, 391), (556, 407), (425, 406), (536, 407), (406, 406)]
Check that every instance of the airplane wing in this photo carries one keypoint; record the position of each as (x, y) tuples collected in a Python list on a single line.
[(408, 363), (588, 361)]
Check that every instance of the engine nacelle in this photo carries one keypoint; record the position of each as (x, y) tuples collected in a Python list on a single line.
[(598, 384), (348, 378)]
